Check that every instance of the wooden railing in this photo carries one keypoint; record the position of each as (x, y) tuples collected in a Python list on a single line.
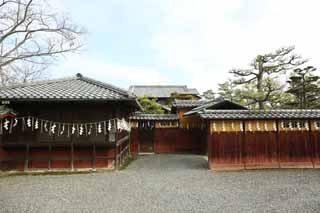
[(122, 151)]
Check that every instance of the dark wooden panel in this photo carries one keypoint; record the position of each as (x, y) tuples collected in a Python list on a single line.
[(165, 140), (13, 157), (226, 150), (315, 140), (146, 140), (261, 149), (134, 140), (295, 149)]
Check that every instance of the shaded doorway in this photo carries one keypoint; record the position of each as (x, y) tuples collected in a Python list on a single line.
[(146, 140)]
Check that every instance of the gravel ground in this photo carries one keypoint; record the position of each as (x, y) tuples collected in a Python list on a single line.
[(164, 183)]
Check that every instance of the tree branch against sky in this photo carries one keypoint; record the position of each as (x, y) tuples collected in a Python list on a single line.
[(305, 87), (263, 68), (33, 34)]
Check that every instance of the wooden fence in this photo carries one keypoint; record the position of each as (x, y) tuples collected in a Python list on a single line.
[(122, 151), (71, 155), (263, 144), (172, 140)]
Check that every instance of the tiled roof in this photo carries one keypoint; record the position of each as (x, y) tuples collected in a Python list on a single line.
[(156, 117), (188, 103), (260, 114), (216, 104), (164, 91), (73, 88)]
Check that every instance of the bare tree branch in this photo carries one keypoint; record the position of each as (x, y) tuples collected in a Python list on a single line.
[(33, 33)]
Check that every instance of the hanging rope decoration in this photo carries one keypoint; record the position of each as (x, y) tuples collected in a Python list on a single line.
[(58, 128), (6, 124), (265, 126), (258, 126), (223, 126), (214, 126), (298, 125), (36, 124), (29, 122), (249, 127)]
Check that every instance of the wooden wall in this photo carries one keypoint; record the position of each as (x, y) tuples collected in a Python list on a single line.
[(172, 139), (29, 150), (262, 144), (55, 157), (189, 121)]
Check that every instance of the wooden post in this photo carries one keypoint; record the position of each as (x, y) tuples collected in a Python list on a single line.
[(115, 154), (278, 142), (310, 145), (209, 143), (50, 157), (243, 147), (94, 159), (26, 162), (71, 156)]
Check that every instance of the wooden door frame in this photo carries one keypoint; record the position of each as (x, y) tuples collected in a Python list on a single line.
[(153, 143)]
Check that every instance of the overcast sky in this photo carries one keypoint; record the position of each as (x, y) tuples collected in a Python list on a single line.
[(189, 42)]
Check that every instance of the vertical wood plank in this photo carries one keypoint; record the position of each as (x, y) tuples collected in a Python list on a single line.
[(278, 143), (94, 157), (50, 157), (26, 162), (115, 155), (310, 145), (71, 156), (243, 145)]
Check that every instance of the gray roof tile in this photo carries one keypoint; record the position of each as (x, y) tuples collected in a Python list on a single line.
[(188, 103), (74, 88), (260, 114), (149, 116), (164, 91), (216, 104)]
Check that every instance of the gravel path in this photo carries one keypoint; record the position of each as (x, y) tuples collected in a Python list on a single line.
[(164, 183)]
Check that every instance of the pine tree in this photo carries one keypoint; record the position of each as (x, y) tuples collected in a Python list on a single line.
[(305, 87), (266, 66)]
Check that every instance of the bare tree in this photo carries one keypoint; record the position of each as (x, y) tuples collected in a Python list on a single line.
[(32, 36), (264, 66)]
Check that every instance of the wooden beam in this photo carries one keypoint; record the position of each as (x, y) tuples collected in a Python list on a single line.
[(26, 161)]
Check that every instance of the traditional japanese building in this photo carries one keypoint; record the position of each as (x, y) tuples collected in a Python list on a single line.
[(66, 123), (183, 131), (164, 94), (80, 123), (232, 136)]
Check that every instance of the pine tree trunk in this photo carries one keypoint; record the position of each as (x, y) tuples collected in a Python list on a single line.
[(259, 86)]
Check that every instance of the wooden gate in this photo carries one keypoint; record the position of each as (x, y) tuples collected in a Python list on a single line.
[(146, 139)]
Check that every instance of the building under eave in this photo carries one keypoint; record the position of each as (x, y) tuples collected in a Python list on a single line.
[(232, 136), (69, 123), (165, 94)]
